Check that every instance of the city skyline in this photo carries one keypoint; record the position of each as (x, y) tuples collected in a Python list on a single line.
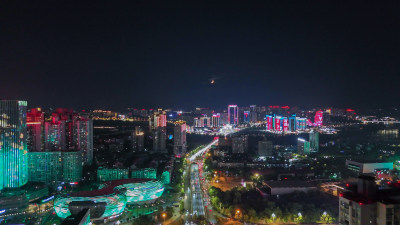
[(156, 55), (199, 112)]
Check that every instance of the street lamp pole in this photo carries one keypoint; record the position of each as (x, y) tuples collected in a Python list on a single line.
[(238, 212)]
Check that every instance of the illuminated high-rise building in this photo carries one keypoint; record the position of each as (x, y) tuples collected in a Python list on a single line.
[(318, 119), (72, 166), (269, 122), (158, 126), (158, 119), (285, 124), (280, 123), (13, 145), (55, 167), (180, 138), (203, 121), (314, 140), (45, 166), (215, 120), (233, 112), (83, 138), (68, 131), (246, 116), (292, 123), (160, 140), (35, 128), (277, 123), (301, 123), (138, 139), (196, 122), (303, 146)]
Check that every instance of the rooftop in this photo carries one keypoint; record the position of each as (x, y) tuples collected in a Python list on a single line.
[(289, 184), (108, 189), (368, 161)]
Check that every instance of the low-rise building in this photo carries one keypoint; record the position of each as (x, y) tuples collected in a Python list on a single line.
[(368, 167), (231, 164), (148, 173), (107, 174), (287, 187)]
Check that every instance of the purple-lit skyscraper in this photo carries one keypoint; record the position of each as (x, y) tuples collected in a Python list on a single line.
[(233, 114)]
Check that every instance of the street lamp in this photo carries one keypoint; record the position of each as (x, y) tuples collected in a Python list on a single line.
[(273, 217), (324, 216), (164, 215), (238, 212), (299, 218)]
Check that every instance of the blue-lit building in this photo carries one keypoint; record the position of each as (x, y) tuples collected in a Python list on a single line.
[(269, 122), (301, 123), (246, 116), (292, 123), (233, 118)]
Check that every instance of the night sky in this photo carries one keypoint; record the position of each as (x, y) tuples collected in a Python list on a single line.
[(145, 54)]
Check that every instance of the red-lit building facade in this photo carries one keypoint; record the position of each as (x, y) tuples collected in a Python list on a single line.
[(158, 126), (65, 130)]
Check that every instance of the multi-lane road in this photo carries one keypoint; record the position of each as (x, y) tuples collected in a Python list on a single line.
[(196, 196), (197, 201)]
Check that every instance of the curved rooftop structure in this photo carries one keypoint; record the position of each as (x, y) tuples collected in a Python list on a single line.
[(110, 199)]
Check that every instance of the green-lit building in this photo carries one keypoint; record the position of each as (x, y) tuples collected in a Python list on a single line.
[(106, 174), (45, 166), (314, 141), (111, 199), (303, 146), (13, 146), (54, 167), (165, 177), (72, 166), (147, 173)]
